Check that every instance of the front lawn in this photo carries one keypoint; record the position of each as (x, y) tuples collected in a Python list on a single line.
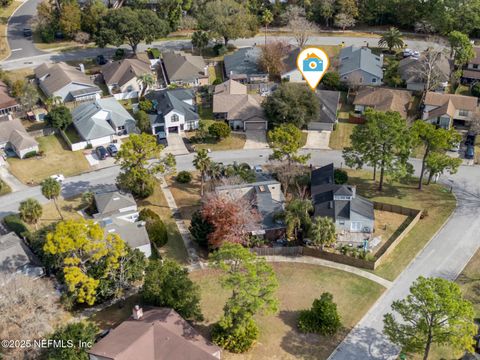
[(233, 142), (299, 284), (340, 137), (57, 159), (187, 196), (435, 199)]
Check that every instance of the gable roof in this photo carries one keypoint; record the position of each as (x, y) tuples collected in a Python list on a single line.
[(111, 201), (408, 68), (6, 100), (290, 61), (167, 100), (15, 256), (181, 66), (244, 61), (448, 103), (122, 71), (13, 131), (385, 99), (476, 59), (160, 334), (329, 101), (360, 58)]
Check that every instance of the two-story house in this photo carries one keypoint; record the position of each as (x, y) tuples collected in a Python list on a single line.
[(447, 110), (471, 73), (359, 66)]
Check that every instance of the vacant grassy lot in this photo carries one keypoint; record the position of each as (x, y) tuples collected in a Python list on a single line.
[(5, 13), (299, 284), (435, 199), (174, 247), (57, 159), (340, 137)]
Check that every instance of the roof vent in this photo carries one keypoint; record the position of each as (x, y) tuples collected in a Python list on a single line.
[(116, 198)]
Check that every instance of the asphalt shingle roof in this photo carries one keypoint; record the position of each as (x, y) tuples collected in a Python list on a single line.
[(360, 58), (328, 100), (183, 67), (122, 71), (244, 61), (168, 100), (112, 201)]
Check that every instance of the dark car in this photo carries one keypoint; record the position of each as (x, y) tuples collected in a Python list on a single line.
[(101, 60), (27, 32), (470, 152), (112, 149), (101, 152), (470, 139)]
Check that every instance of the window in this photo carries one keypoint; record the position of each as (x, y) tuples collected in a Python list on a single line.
[(463, 112), (475, 66), (341, 222), (121, 127), (175, 118), (374, 80), (356, 226)]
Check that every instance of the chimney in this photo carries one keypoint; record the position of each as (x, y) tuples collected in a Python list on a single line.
[(205, 71), (354, 191), (82, 68), (137, 312)]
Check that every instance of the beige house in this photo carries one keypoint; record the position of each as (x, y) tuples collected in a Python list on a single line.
[(446, 110), (383, 99), (184, 69), (14, 137), (243, 111), (122, 76)]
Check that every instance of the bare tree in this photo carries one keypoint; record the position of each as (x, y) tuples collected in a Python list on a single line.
[(475, 123), (300, 27), (344, 21)]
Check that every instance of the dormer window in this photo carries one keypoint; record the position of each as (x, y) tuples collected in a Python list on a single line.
[(342, 197)]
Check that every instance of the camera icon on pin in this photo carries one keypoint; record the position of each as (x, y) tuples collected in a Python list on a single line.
[(312, 63)]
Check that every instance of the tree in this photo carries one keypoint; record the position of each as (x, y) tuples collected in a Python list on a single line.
[(52, 102), (271, 59), (52, 189), (226, 19), (131, 26), (323, 11), (202, 162), (300, 27), (433, 139), (167, 284), (437, 163), (344, 21), (69, 18), (267, 18), (172, 11), (200, 39), (219, 130), (78, 333), (428, 69), (434, 312), (145, 81), (291, 103), (59, 117), (391, 75), (322, 318), (143, 121), (29, 96), (137, 171), (92, 14), (331, 81), (461, 50), (392, 39), (297, 217), (382, 143), (323, 232), (84, 250), (200, 229), (340, 176), (253, 285), (30, 211)]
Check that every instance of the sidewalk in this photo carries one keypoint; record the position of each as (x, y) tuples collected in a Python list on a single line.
[(11, 180)]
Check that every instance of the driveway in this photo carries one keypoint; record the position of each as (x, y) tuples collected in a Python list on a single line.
[(256, 139), (318, 140), (176, 146)]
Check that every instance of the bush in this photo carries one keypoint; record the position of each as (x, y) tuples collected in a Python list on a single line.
[(217, 81), (235, 339), (119, 54), (200, 229), (15, 224), (331, 81), (322, 318), (219, 130), (184, 177), (47, 34), (89, 146), (145, 105), (84, 332), (154, 53), (30, 154), (148, 215), (157, 232), (475, 90), (220, 49), (82, 37), (341, 176), (143, 121)]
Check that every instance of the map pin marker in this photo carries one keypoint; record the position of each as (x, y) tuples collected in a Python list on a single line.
[(313, 63)]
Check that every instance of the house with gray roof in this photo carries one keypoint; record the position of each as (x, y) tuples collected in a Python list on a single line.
[(184, 69), (242, 65), (175, 111), (98, 122), (410, 71), (117, 212), (359, 66), (329, 101), (66, 82), (267, 197), (350, 211), (290, 70), (13, 136), (16, 257)]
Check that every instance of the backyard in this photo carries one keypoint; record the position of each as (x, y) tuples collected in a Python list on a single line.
[(57, 159)]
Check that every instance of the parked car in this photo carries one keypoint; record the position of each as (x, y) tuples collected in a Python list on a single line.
[(470, 139), (59, 177), (101, 60), (27, 32), (101, 152), (258, 169), (470, 152), (455, 147), (112, 149), (162, 140)]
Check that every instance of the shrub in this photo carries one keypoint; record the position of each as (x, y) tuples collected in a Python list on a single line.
[(148, 215), (219, 130), (89, 146), (236, 339), (119, 54), (220, 49), (154, 53), (145, 105), (341, 176), (47, 34), (322, 318), (80, 332), (184, 177), (475, 90), (217, 81), (15, 224), (143, 121), (200, 229), (82, 37), (157, 232), (331, 81), (30, 154)]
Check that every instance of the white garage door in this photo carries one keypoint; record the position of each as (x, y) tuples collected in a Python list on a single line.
[(258, 125)]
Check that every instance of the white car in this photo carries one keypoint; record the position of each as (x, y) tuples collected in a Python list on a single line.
[(59, 177), (407, 52), (258, 169)]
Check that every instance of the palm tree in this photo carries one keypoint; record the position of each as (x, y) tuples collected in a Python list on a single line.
[(51, 189), (30, 211), (267, 18), (322, 231), (391, 39), (145, 81), (202, 163), (214, 171), (52, 101), (297, 216)]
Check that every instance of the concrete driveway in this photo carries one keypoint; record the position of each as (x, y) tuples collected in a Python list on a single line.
[(176, 146), (256, 139), (318, 140)]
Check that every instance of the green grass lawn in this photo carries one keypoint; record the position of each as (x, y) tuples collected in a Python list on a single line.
[(299, 284), (72, 134), (434, 198), (304, 138), (5, 188), (340, 137), (57, 159), (233, 142)]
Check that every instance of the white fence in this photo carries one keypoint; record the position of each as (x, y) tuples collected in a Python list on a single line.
[(126, 96)]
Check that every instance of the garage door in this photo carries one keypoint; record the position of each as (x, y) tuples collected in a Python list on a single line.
[(258, 125)]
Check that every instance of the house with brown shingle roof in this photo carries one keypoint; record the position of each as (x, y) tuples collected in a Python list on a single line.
[(184, 69), (383, 99), (13, 136), (243, 111), (7, 103), (445, 110), (156, 334), (471, 73), (122, 76)]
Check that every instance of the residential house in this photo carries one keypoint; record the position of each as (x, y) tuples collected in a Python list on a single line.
[(16, 257), (117, 212), (242, 66), (383, 99), (243, 111), (66, 82), (154, 334), (7, 103), (184, 69), (341, 203), (14, 137), (411, 72), (122, 77), (327, 118), (175, 111), (471, 74), (446, 110), (267, 198), (359, 66), (99, 122), (290, 70)]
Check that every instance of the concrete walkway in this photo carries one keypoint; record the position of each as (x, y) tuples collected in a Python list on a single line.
[(317, 140), (314, 261), (12, 181)]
